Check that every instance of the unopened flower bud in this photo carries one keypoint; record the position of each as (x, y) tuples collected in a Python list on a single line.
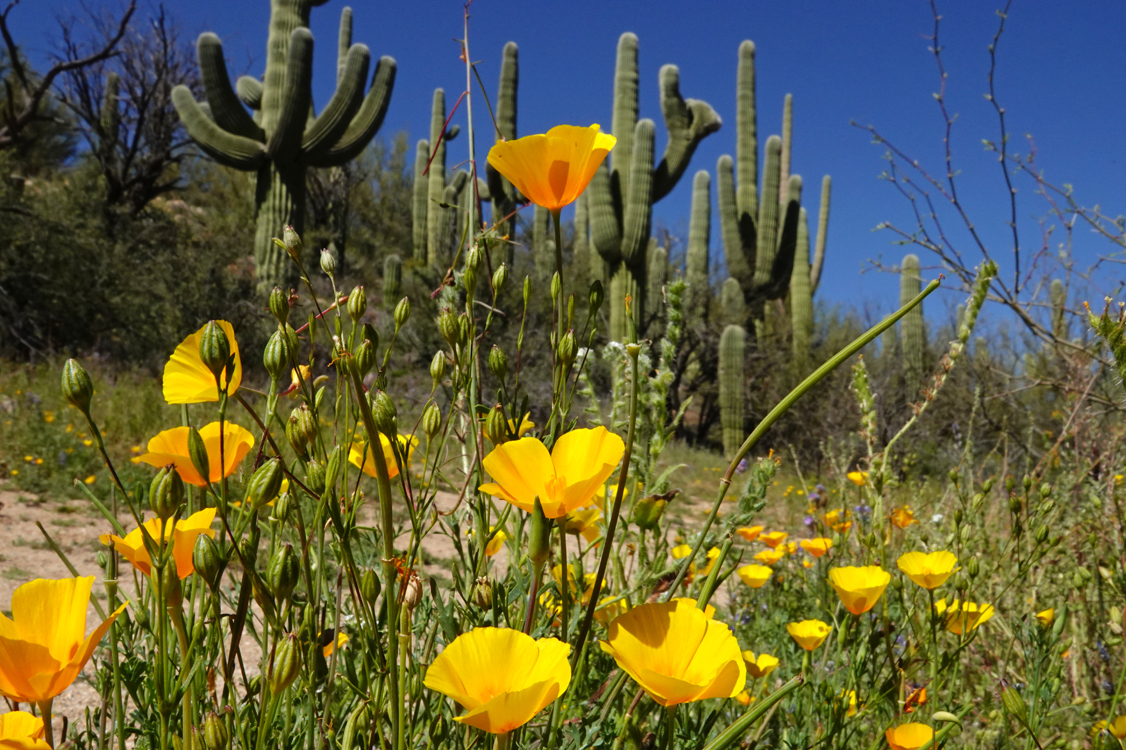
[(248, 551), (1041, 534), (283, 572), (214, 348), (500, 278), (282, 507), (77, 386), (539, 535), (170, 587), (958, 516), (411, 591), (306, 423), (357, 304), (1027, 482), (384, 414), (285, 664), (264, 484), (498, 363), (973, 567), (1015, 504), (364, 358), (370, 586), (315, 477), (279, 304), (596, 297), (333, 468), (483, 592), (296, 438), (987, 485), (527, 289), (556, 288), (197, 452), (647, 513), (1047, 507), (402, 313), (328, 263), (291, 240), (206, 561), (438, 368), (568, 348), (276, 355), (496, 426), (166, 493), (1045, 490), (214, 732), (449, 327), (1014, 705), (431, 421)]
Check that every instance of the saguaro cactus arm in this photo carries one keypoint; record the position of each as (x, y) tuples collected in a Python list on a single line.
[(822, 235), (334, 119), (284, 141), (343, 43), (734, 226), (366, 122), (688, 122), (229, 150), (249, 90), (638, 215), (226, 108)]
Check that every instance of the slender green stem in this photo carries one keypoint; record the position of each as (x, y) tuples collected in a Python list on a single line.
[(182, 636), (564, 579), (48, 730), (670, 726)]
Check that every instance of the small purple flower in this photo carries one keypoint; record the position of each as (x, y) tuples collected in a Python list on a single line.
[(864, 513), (809, 521), (820, 488), (742, 466)]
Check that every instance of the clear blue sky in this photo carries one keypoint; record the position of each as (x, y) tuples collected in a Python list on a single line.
[(1060, 77)]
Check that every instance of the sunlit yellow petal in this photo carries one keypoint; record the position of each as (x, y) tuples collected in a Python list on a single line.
[(908, 736), (522, 469), (187, 380), (859, 587), (554, 168)]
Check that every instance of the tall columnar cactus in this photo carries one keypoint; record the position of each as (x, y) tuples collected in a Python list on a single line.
[(284, 139), (392, 278), (501, 190), (912, 338), (622, 194), (543, 244), (696, 270), (733, 308), (787, 144), (822, 235), (801, 293), (435, 199), (657, 273), (581, 276), (731, 386)]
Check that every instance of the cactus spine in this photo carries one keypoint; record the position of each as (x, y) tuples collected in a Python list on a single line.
[(801, 293), (696, 270), (731, 362), (912, 338), (283, 140), (622, 194)]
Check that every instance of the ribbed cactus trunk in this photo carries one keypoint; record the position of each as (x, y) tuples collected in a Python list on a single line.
[(801, 294), (392, 278), (657, 273), (822, 235), (543, 244), (912, 337), (581, 252), (502, 192), (732, 345), (733, 308), (420, 200), (437, 220), (280, 196), (696, 270)]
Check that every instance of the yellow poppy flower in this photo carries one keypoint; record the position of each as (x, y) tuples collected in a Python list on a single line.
[(908, 736), (750, 533), (929, 570), (188, 381), (744, 698), (859, 478), (759, 666), (809, 634), (552, 169), (903, 517), (496, 542), (20, 730), (334, 643), (773, 538), (171, 447), (859, 588), (295, 380), (42, 648), (583, 521), (790, 547), (357, 458), (713, 555), (565, 479), (681, 551), (526, 426), (500, 676), (182, 535), (850, 699), (609, 607), (1047, 617), (770, 556), (838, 521), (817, 547), (754, 576), (963, 617), (676, 653), (1117, 727)]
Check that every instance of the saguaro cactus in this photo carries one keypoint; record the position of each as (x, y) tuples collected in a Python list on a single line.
[(503, 193), (656, 274), (733, 309), (1057, 294), (696, 260), (392, 277), (283, 139), (731, 363), (912, 338), (621, 196), (543, 244), (801, 293)]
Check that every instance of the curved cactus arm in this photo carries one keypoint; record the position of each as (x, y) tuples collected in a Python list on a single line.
[(746, 131), (507, 90), (343, 43), (337, 114), (732, 346), (688, 122), (822, 235), (624, 121), (604, 208), (419, 203), (740, 256), (696, 271), (284, 142), (773, 281), (225, 105), (230, 150), (205, 108), (801, 294), (787, 142), (249, 90), (638, 213), (732, 303), (767, 225), (367, 120)]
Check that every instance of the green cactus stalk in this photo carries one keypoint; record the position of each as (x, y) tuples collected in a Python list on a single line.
[(1057, 294), (622, 194), (392, 278), (657, 273), (501, 190), (420, 200), (581, 262), (731, 386), (787, 143), (284, 139), (543, 244), (733, 307), (696, 271), (801, 294), (822, 235), (912, 336)]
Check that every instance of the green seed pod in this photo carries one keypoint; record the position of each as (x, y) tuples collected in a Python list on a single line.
[(306, 423), (214, 732), (431, 421), (384, 414), (283, 572), (449, 327), (141, 617), (1047, 507), (987, 485), (1027, 482), (357, 304), (402, 313), (279, 305), (264, 484), (973, 567), (438, 368), (568, 349), (469, 278), (296, 438), (647, 513), (197, 452), (78, 389), (977, 503), (357, 721), (285, 664), (282, 507), (370, 586), (498, 363), (597, 295), (958, 516), (482, 594), (1045, 490), (315, 658), (328, 263), (473, 257), (334, 468), (166, 493), (214, 348), (315, 477), (1015, 504), (1041, 534), (945, 716), (276, 355), (964, 533), (496, 426), (170, 586), (539, 535), (1014, 705), (365, 358), (556, 288), (207, 561), (500, 278), (527, 289), (463, 324), (293, 244)]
